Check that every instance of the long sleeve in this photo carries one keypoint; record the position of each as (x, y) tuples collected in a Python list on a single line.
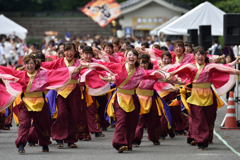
[(113, 67), (51, 65)]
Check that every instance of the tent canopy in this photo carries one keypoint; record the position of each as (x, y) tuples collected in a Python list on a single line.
[(154, 32), (9, 27), (203, 14)]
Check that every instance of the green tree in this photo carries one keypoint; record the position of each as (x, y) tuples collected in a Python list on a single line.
[(43, 5), (195, 3), (229, 6)]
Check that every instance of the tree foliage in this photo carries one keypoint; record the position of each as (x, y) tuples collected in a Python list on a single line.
[(229, 6), (42, 5)]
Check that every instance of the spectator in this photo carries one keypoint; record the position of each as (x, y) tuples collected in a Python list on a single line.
[(9, 50), (215, 49), (170, 46), (3, 59)]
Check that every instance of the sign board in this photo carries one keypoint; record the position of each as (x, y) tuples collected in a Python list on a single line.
[(147, 23), (128, 30)]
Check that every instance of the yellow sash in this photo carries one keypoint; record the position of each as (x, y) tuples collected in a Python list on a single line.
[(124, 97), (33, 101)]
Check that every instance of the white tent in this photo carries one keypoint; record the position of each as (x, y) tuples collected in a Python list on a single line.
[(203, 14), (154, 32), (9, 27)]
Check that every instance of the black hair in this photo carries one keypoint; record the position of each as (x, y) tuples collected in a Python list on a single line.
[(7, 39), (136, 54), (168, 40), (61, 52), (98, 48), (231, 56), (70, 45), (59, 46), (163, 48), (156, 46), (88, 49), (33, 44), (61, 43), (18, 66), (145, 44), (1, 37), (146, 59), (167, 53), (215, 41), (96, 43), (202, 51), (130, 47), (108, 44), (51, 43), (126, 42), (40, 56)]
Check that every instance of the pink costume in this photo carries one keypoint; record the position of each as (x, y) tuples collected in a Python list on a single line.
[(69, 124), (150, 111), (124, 101), (32, 104), (203, 102)]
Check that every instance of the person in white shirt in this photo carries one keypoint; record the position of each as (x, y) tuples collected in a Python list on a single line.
[(50, 50), (2, 53), (9, 50), (214, 47)]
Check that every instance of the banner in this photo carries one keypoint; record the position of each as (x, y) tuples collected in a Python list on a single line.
[(147, 23), (102, 11)]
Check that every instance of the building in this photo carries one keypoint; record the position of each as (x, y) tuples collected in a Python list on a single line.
[(138, 17)]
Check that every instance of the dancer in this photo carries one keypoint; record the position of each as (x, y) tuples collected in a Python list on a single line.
[(128, 77), (203, 102), (32, 83)]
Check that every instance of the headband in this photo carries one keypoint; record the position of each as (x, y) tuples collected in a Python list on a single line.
[(179, 44), (34, 59), (188, 44), (144, 59), (200, 49)]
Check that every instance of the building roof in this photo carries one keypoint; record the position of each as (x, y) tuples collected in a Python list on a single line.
[(130, 3)]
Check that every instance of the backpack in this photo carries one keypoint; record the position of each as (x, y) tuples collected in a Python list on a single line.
[(217, 51)]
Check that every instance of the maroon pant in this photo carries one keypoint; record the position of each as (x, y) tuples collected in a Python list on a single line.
[(2, 118), (84, 131), (201, 122), (153, 124), (32, 136), (93, 118), (67, 125), (41, 122), (179, 119), (126, 123), (8, 120), (102, 101), (164, 125)]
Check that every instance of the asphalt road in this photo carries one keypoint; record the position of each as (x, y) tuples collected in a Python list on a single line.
[(101, 148)]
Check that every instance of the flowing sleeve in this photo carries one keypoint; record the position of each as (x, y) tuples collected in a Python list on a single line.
[(223, 77), (185, 72), (155, 54), (162, 76), (10, 86), (51, 65), (91, 76), (107, 58), (58, 79), (113, 67)]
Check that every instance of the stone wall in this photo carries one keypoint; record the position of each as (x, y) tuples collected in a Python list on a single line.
[(36, 26)]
